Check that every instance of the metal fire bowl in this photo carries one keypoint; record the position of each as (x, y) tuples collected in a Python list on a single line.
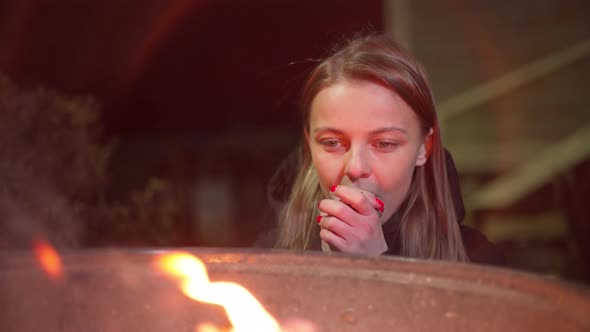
[(114, 290)]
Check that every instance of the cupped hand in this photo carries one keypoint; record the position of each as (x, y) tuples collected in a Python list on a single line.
[(352, 223)]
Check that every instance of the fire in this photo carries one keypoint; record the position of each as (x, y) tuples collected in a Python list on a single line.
[(48, 258), (244, 311)]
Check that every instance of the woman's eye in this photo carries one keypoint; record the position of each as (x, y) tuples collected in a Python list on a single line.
[(386, 145), (331, 144)]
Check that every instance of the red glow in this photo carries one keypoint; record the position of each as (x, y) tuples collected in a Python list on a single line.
[(48, 258)]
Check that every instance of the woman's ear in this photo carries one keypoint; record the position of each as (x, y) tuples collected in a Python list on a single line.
[(425, 149)]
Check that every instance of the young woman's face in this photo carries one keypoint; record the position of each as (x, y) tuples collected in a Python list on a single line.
[(366, 132)]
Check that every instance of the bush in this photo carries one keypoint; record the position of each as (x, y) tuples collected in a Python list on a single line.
[(53, 177)]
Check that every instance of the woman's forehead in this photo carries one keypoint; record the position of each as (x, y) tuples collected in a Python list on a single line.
[(360, 104)]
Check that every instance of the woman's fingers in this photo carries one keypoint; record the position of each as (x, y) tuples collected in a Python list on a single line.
[(334, 232), (335, 225), (342, 237), (354, 198), (334, 241), (350, 221), (361, 201), (330, 207)]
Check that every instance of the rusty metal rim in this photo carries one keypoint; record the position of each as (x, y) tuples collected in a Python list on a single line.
[(535, 290)]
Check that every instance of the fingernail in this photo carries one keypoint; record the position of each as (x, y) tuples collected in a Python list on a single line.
[(380, 202), (333, 189), (381, 209), (319, 218)]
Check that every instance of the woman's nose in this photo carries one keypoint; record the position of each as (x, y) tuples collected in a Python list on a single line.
[(357, 165)]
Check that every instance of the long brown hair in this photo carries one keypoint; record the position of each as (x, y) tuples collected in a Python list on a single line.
[(428, 225)]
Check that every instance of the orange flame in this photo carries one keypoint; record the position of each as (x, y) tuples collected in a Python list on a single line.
[(48, 258), (244, 311)]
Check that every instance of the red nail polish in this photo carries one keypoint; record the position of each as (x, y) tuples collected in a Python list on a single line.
[(333, 189), (380, 202), (319, 218)]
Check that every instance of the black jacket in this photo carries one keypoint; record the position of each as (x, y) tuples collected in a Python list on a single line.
[(477, 246)]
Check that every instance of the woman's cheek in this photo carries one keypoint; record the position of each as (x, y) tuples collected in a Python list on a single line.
[(394, 178)]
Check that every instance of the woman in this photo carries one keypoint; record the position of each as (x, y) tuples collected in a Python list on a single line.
[(372, 175)]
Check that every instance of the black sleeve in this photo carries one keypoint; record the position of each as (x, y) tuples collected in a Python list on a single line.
[(267, 240), (480, 249)]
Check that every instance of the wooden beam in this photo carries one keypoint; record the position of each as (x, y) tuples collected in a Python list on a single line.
[(490, 90), (531, 175)]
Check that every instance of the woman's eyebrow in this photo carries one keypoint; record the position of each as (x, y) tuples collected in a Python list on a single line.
[(330, 129), (373, 132), (389, 129)]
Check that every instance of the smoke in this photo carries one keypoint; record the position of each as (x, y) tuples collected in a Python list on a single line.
[(31, 207), (50, 165)]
